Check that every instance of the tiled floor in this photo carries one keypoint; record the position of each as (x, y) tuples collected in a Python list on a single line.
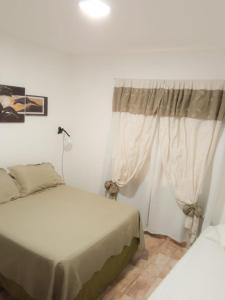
[(143, 275), (140, 278)]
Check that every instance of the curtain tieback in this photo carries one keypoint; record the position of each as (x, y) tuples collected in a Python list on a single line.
[(192, 210), (193, 213), (111, 189)]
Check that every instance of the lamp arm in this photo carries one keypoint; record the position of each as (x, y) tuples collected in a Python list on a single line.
[(61, 130)]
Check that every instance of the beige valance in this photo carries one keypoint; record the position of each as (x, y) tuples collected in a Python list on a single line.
[(180, 100)]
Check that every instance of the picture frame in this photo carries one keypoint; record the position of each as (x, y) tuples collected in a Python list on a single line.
[(36, 105), (12, 103)]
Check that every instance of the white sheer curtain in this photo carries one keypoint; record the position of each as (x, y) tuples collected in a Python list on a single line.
[(132, 145), (155, 199), (183, 119), (215, 209), (187, 147)]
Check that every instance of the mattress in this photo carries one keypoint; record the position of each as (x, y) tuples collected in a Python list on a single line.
[(52, 242), (200, 274)]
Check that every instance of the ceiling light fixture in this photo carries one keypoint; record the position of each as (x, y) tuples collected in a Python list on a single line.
[(95, 8)]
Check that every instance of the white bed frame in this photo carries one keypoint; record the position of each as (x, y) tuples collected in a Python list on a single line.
[(200, 274)]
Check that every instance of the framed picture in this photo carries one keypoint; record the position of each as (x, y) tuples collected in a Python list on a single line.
[(36, 106), (12, 103)]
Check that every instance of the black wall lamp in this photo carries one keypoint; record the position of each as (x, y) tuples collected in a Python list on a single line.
[(61, 130), (66, 145)]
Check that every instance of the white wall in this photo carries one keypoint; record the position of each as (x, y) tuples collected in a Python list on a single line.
[(42, 72), (94, 79)]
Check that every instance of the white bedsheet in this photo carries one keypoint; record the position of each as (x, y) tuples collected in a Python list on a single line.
[(200, 274)]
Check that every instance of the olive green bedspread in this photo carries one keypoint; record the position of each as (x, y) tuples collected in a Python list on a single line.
[(95, 286), (54, 241)]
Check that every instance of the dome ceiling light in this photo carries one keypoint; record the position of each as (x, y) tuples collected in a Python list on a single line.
[(95, 8)]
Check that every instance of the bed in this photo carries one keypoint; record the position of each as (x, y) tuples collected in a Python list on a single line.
[(64, 244), (200, 274)]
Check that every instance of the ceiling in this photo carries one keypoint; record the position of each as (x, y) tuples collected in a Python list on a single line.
[(133, 26)]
